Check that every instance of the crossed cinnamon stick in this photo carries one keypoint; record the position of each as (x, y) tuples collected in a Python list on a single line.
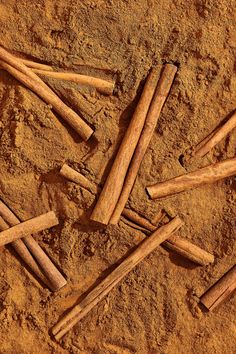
[(25, 75), (124, 170), (175, 243), (28, 248), (100, 291)]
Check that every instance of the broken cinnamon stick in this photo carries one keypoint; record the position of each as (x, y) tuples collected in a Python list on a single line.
[(25, 75), (100, 291), (23, 252), (220, 291), (161, 93), (74, 176), (115, 180), (103, 86), (33, 225), (209, 174), (175, 243), (211, 140), (55, 279)]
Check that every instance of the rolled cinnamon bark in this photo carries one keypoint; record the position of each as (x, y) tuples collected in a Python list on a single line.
[(23, 252), (209, 174), (175, 243), (103, 86), (54, 279), (74, 176), (102, 289), (221, 290), (115, 180), (25, 75), (211, 140), (33, 225), (161, 93), (34, 65)]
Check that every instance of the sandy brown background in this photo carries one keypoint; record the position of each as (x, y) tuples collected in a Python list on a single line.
[(154, 310)]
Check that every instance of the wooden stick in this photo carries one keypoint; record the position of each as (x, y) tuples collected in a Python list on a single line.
[(221, 290), (99, 292), (209, 174), (103, 86), (115, 180), (25, 75), (74, 176), (34, 65), (161, 93), (55, 279), (21, 249), (33, 225), (211, 140), (175, 243)]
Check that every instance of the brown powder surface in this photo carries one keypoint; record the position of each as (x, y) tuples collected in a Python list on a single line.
[(155, 308)]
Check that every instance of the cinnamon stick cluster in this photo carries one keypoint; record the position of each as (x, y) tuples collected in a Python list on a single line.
[(112, 198)]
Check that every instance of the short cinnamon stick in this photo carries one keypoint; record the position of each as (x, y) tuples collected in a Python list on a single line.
[(25, 75), (211, 140), (103, 86), (161, 93), (115, 180), (220, 291), (74, 176), (55, 280), (175, 243), (98, 293), (23, 252), (33, 225), (209, 174)]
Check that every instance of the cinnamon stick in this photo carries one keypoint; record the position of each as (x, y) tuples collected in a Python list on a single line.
[(34, 65), (211, 140), (111, 191), (175, 243), (209, 174), (74, 176), (25, 75), (220, 291), (103, 86), (23, 252), (54, 278), (100, 291), (161, 93), (33, 225)]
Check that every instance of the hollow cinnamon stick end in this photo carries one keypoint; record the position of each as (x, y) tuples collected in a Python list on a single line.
[(150, 191)]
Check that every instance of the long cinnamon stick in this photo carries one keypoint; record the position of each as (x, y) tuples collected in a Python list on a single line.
[(25, 75), (220, 291), (175, 243), (25, 255), (33, 225), (74, 176), (98, 293), (211, 140), (209, 174), (55, 279), (161, 93), (115, 180), (101, 85)]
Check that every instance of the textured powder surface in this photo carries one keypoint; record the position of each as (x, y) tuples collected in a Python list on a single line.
[(155, 308)]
